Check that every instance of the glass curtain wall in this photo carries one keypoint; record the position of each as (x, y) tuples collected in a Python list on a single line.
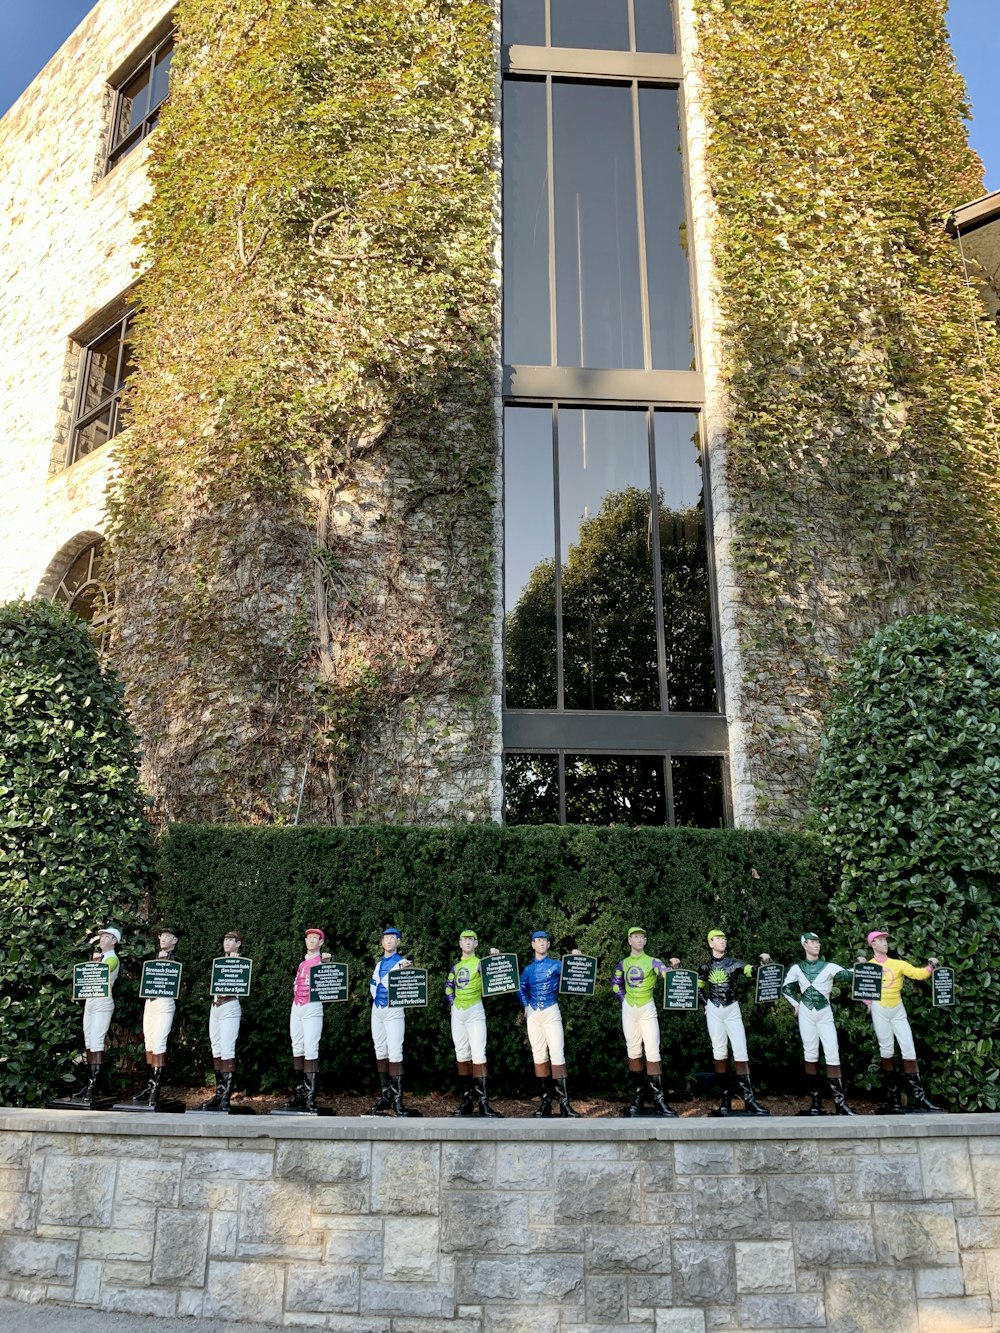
[(612, 707)]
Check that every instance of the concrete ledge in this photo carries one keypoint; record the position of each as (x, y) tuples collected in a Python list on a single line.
[(443, 1129)]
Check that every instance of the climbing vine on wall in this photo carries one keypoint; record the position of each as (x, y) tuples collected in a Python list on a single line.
[(861, 458), (302, 518)]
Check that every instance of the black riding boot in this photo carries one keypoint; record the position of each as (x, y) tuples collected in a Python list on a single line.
[(396, 1084), (751, 1106), (297, 1101), (725, 1091), (227, 1090), (815, 1106), (309, 1089), (564, 1103), (214, 1102), (384, 1103), (891, 1104), (467, 1106), (839, 1100), (637, 1103), (545, 1104), (660, 1104), (917, 1099), (154, 1087), (484, 1102)]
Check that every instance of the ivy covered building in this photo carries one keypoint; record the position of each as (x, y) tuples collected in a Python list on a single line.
[(505, 410)]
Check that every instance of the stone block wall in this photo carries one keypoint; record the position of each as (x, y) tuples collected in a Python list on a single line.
[(67, 251), (513, 1227)]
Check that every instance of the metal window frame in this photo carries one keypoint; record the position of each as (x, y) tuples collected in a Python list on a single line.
[(116, 151), (560, 731), (83, 419)]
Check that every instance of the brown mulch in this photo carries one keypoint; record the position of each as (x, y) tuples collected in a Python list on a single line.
[(348, 1104)]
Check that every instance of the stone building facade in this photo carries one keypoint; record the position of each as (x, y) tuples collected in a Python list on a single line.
[(634, 677)]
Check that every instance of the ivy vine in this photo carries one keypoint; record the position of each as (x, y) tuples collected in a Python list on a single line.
[(861, 458), (303, 513)]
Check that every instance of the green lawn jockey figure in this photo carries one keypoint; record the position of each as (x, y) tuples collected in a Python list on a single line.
[(305, 1025), (388, 1029), (891, 1025), (539, 994), (807, 988), (464, 994), (718, 979), (97, 1012), (223, 1030), (633, 984), (157, 1020)]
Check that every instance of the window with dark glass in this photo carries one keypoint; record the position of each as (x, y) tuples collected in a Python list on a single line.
[(606, 574), (105, 366), (612, 711), (87, 588), (138, 100), (596, 271), (612, 25)]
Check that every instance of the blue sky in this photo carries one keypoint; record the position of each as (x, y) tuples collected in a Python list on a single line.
[(32, 30)]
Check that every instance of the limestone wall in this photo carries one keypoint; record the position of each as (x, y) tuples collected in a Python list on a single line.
[(66, 251), (509, 1227)]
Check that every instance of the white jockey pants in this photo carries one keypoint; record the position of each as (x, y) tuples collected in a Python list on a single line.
[(642, 1031), (815, 1026), (890, 1023), (725, 1027), (157, 1020), (224, 1028), (96, 1021), (468, 1032), (305, 1027), (388, 1030), (545, 1032)]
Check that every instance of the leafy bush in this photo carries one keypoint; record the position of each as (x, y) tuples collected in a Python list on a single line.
[(906, 799), (75, 847), (584, 885)]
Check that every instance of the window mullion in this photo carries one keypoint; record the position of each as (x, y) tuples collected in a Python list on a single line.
[(654, 512), (557, 582)]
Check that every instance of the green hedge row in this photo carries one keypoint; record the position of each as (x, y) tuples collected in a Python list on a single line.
[(586, 886)]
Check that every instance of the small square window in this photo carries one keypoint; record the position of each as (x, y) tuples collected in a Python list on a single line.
[(104, 370), (140, 96)]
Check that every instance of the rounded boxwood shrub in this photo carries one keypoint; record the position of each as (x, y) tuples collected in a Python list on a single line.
[(906, 798), (75, 845)]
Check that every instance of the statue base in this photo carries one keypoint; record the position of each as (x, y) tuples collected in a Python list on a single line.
[(233, 1110), (165, 1104), (71, 1104), (320, 1110)]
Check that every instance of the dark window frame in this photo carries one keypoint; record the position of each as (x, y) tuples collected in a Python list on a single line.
[(110, 402), (562, 732), (151, 112)]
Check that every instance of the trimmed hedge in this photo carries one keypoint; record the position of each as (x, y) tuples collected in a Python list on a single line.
[(76, 847), (584, 885), (906, 798)]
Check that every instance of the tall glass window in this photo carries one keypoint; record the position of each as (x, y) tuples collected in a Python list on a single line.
[(596, 269), (612, 25), (612, 709)]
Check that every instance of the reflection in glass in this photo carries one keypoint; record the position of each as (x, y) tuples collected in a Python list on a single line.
[(606, 539), (529, 559), (139, 100), (654, 26), (699, 795), (687, 605), (667, 271), (527, 339), (615, 789), (598, 305), (531, 788), (102, 370), (87, 588), (524, 22), (161, 77), (595, 24)]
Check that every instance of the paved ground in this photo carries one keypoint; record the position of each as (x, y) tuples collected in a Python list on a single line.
[(15, 1315)]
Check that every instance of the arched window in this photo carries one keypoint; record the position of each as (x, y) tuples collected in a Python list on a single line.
[(86, 586)]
